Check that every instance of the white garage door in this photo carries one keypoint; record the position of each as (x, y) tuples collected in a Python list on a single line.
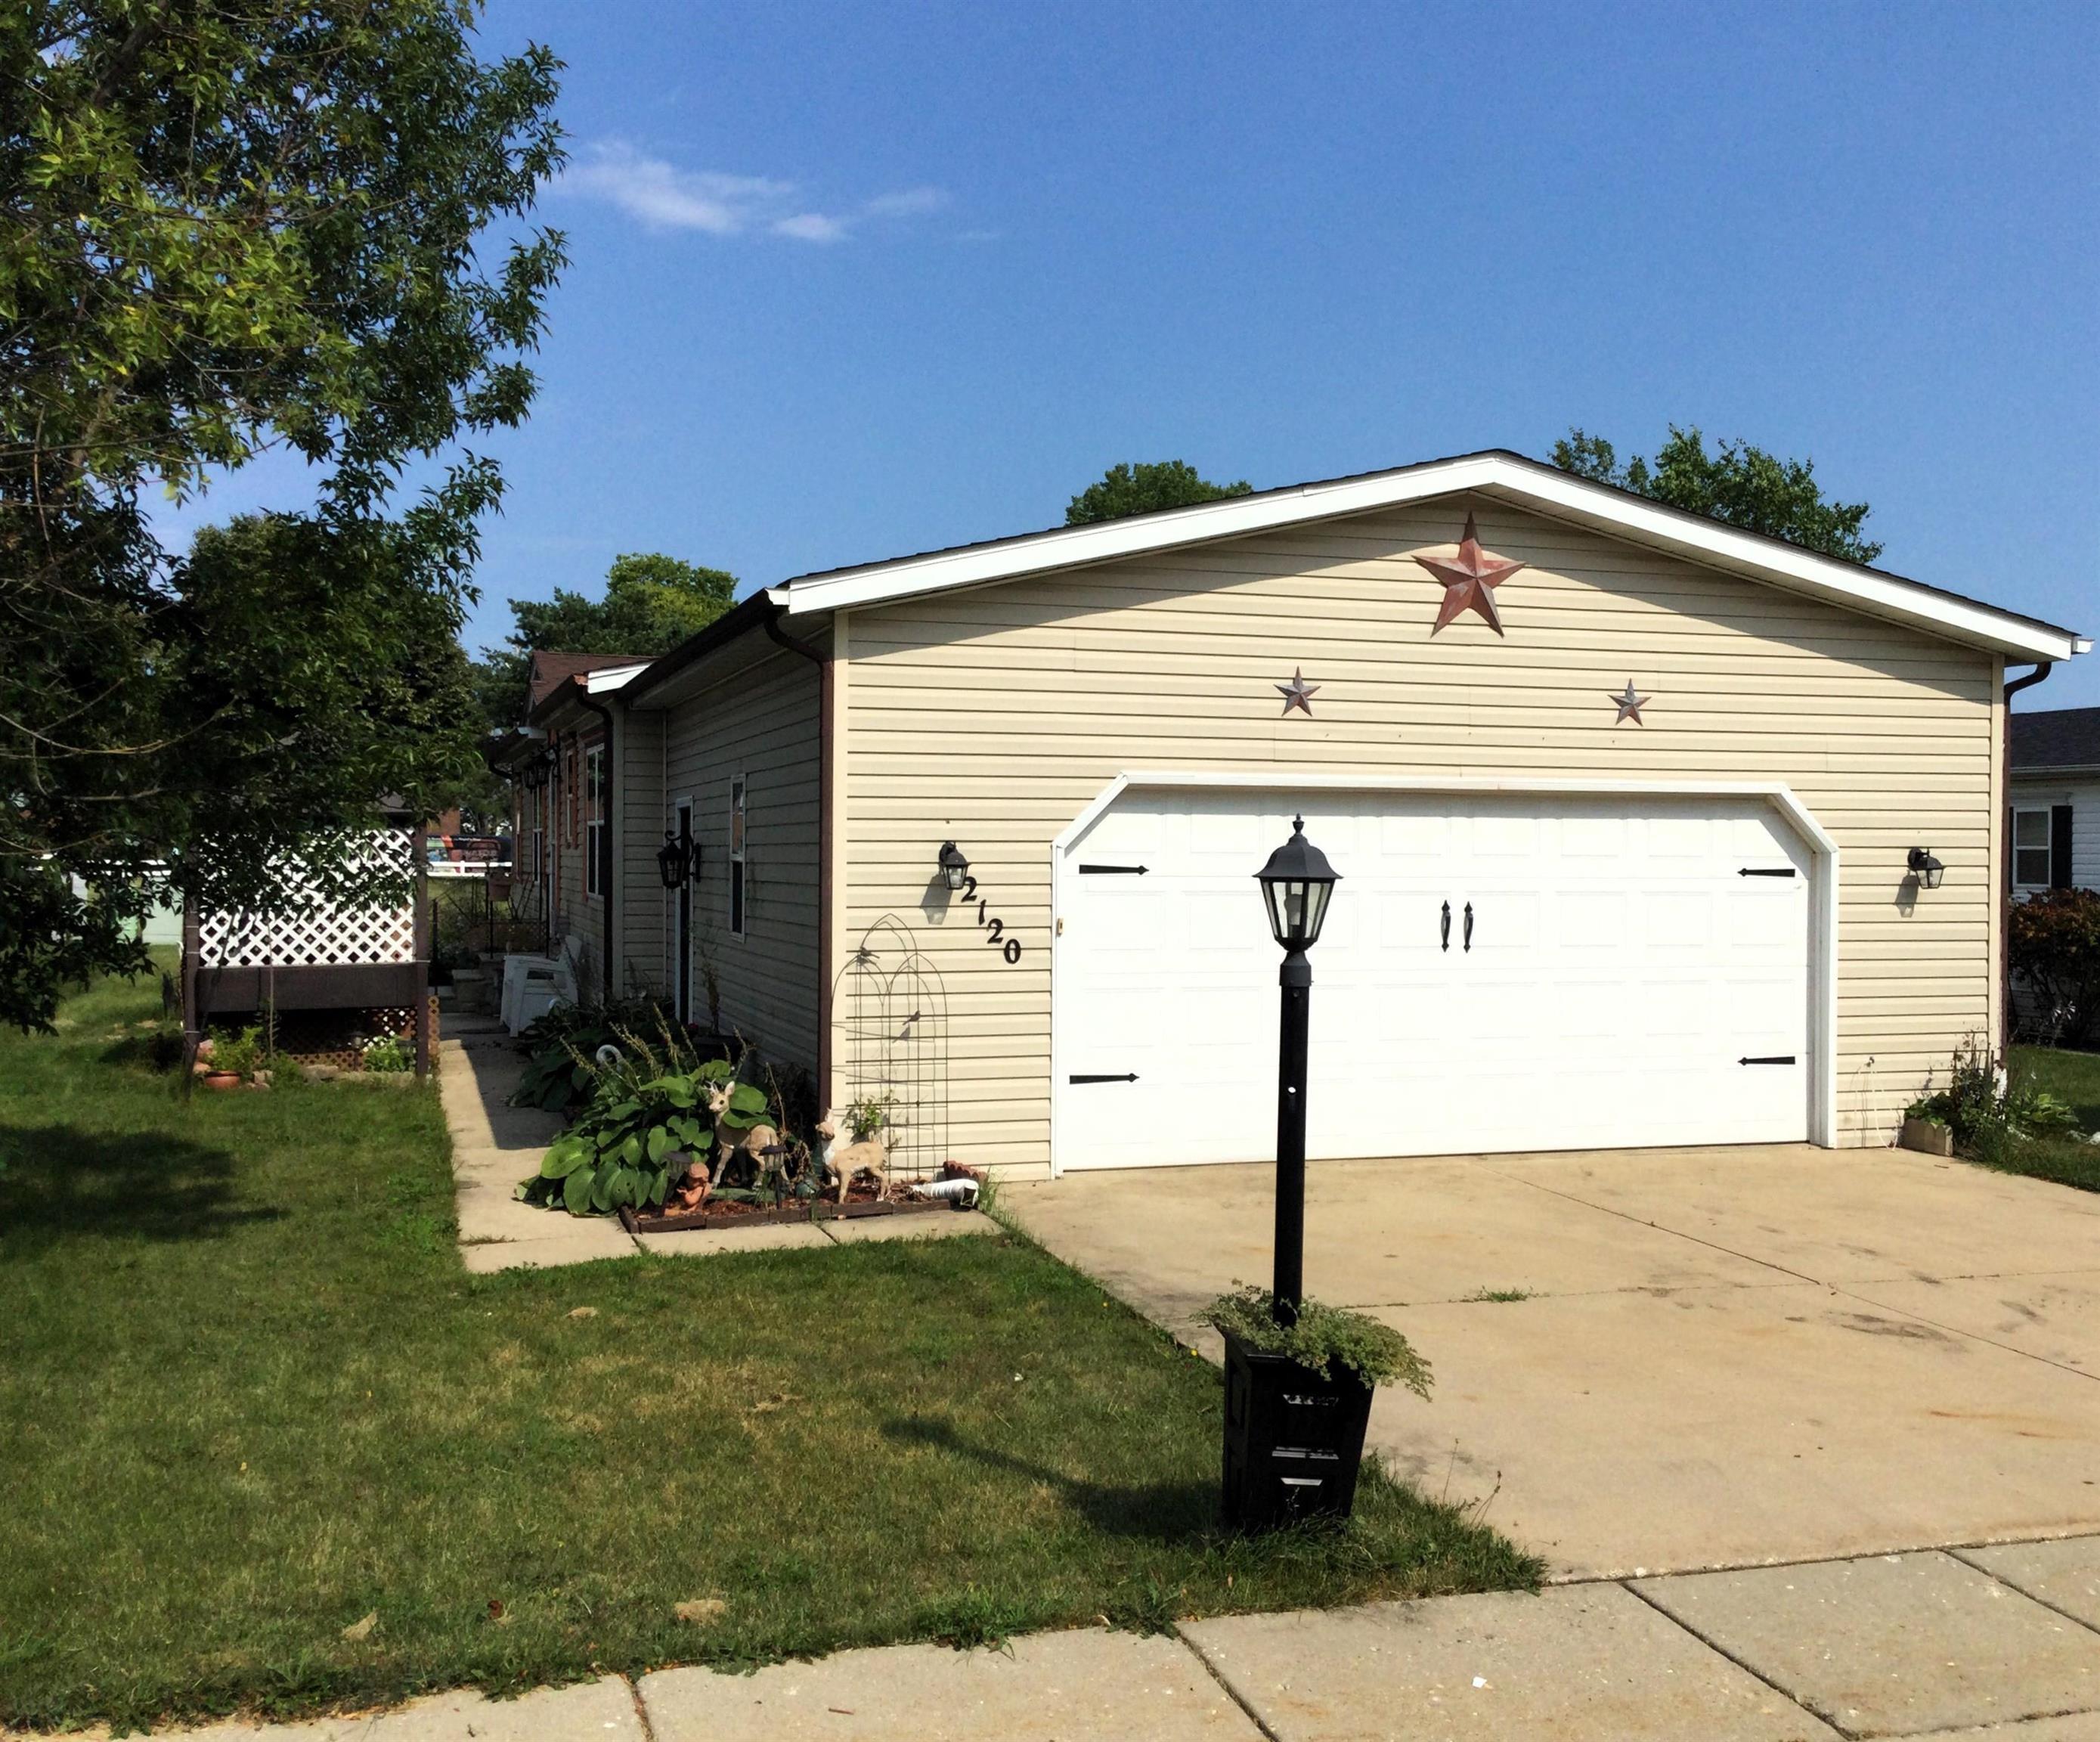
[(1615, 971)]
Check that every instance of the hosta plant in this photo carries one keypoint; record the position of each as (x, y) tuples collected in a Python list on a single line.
[(641, 1129)]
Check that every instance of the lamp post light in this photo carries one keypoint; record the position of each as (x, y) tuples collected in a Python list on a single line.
[(1296, 884)]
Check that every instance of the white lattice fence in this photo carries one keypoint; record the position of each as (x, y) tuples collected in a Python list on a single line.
[(313, 931)]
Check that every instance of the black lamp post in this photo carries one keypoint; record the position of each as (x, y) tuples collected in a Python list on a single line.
[(1295, 883)]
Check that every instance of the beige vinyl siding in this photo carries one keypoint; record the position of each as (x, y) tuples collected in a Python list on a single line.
[(995, 714), (638, 813), (761, 723)]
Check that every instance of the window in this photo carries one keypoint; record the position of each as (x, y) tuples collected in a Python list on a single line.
[(594, 836), (2031, 849), (736, 857)]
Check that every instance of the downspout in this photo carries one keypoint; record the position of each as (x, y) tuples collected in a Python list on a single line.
[(2012, 689), (780, 637), (611, 858)]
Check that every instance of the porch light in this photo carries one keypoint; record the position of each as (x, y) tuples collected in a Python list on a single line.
[(1925, 868), (955, 868), (1296, 883), (678, 859)]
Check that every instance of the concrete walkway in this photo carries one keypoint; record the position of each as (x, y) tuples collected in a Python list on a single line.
[(1673, 1360), (495, 1145), (2001, 1642)]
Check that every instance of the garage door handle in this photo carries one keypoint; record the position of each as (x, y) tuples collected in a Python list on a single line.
[(1774, 1059), (1128, 1076), (1447, 924), (1469, 927)]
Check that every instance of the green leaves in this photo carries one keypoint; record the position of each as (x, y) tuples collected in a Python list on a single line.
[(233, 228)]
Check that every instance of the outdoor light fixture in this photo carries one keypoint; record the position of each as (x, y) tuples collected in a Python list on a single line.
[(1295, 883), (678, 859), (1293, 1433), (955, 868), (1925, 868)]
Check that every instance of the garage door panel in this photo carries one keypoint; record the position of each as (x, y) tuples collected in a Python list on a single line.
[(1621, 968)]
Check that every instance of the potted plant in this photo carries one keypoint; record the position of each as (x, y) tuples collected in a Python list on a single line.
[(232, 1058), (1298, 1399)]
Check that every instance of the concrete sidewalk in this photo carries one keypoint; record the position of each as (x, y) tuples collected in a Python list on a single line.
[(2002, 1641), (495, 1145)]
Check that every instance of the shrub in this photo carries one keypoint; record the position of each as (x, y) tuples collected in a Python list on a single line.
[(1987, 1108), (2053, 943), (1323, 1339), (388, 1054), (241, 1053), (641, 1124)]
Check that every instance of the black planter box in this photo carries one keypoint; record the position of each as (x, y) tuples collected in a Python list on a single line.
[(1294, 1441)]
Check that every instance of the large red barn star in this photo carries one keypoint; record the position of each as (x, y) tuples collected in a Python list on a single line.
[(1468, 578)]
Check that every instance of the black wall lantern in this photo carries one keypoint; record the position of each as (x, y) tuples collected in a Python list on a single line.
[(678, 859), (955, 868), (1925, 868)]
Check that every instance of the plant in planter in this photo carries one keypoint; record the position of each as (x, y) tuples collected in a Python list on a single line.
[(229, 1060), (1986, 1107), (1298, 1398)]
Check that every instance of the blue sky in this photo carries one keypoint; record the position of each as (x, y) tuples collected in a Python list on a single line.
[(850, 281)]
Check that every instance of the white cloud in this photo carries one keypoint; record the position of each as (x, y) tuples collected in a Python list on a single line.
[(909, 202), (667, 198), (663, 196), (811, 226)]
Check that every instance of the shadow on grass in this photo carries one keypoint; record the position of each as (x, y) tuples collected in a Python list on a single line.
[(58, 1182), (1161, 1512)]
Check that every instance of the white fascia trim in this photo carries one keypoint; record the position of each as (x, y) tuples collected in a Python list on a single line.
[(1823, 928), (614, 678), (1558, 493)]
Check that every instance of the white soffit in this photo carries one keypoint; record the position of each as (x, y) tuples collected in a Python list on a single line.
[(1522, 482), (614, 678)]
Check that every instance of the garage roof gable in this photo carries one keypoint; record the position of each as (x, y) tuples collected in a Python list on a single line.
[(1497, 474)]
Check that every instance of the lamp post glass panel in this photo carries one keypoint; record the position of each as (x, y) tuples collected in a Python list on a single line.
[(1296, 884)]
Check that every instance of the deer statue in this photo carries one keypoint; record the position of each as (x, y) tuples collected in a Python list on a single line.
[(870, 1156), (731, 1141)]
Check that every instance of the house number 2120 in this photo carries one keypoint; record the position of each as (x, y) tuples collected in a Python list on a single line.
[(994, 930)]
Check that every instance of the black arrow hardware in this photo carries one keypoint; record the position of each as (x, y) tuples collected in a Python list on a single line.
[(1776, 1059), (1763, 871), (1469, 928), (1128, 1077), (1111, 870), (1447, 926)]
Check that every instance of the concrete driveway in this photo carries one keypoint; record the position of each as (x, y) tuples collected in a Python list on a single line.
[(1726, 1356)]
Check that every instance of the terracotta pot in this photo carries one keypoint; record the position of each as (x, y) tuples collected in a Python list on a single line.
[(221, 1080)]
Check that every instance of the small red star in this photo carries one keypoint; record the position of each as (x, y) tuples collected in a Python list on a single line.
[(1468, 578)]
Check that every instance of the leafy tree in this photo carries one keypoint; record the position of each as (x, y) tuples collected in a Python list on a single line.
[(651, 604), (234, 225), (1140, 489), (1739, 483), (2053, 943)]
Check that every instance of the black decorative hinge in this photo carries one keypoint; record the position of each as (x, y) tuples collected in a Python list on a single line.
[(1774, 1058), (1128, 1076), (1764, 871), (1111, 870)]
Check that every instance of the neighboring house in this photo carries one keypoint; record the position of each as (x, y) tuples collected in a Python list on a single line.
[(562, 804), (2055, 800), (1634, 870)]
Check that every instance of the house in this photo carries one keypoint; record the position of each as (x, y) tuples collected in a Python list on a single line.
[(1631, 810), (2055, 800), (563, 875)]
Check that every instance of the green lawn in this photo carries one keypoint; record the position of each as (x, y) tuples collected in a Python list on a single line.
[(2071, 1076), (249, 1398)]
